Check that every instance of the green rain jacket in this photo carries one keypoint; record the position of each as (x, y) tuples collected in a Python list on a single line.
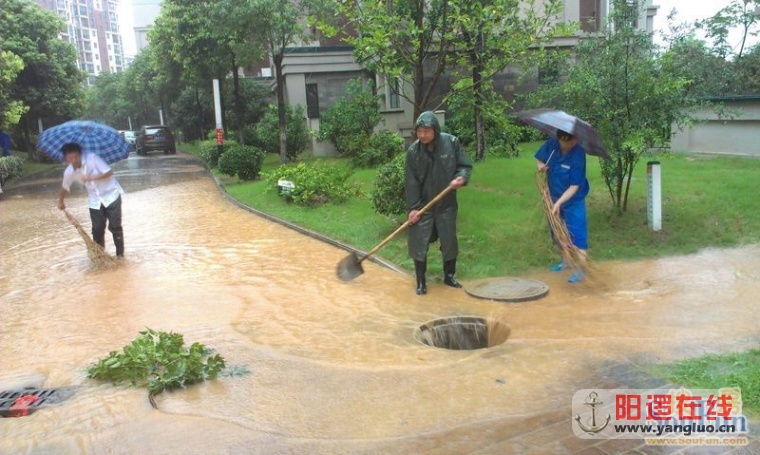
[(429, 170)]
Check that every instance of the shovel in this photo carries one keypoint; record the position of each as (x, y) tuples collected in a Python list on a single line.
[(351, 266)]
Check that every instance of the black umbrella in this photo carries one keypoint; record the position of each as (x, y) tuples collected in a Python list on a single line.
[(550, 121)]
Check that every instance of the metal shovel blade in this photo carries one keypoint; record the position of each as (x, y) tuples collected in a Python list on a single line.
[(349, 268)]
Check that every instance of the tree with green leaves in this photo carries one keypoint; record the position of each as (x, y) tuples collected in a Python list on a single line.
[(409, 40), (50, 84), (738, 13), (143, 89), (106, 101), (278, 24), (10, 110), (202, 41), (707, 74), (620, 86), (186, 49), (420, 41), (494, 34)]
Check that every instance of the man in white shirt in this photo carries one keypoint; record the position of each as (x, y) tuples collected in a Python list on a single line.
[(104, 193)]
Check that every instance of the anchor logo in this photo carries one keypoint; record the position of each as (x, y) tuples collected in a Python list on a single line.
[(592, 401)]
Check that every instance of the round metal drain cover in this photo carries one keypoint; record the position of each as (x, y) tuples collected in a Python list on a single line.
[(507, 289), (462, 333)]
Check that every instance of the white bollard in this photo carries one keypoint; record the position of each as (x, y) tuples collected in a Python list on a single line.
[(654, 195)]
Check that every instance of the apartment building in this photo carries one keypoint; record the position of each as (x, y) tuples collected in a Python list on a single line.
[(92, 26)]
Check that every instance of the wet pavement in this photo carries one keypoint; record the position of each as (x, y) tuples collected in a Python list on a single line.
[(334, 367)]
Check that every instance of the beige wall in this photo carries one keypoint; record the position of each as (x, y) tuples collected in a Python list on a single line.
[(739, 136), (301, 68)]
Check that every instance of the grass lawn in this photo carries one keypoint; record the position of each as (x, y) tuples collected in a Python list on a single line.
[(32, 167), (707, 201), (719, 371)]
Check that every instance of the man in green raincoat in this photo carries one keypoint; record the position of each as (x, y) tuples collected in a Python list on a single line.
[(435, 161)]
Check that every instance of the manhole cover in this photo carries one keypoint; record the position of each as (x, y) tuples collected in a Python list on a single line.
[(508, 289), (21, 402), (462, 333)]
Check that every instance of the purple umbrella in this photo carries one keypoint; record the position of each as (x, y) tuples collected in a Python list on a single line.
[(549, 121)]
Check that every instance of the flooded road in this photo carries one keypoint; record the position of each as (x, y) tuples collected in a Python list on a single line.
[(334, 367)]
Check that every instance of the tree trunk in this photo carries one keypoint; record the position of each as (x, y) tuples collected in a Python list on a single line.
[(419, 68), (280, 90), (237, 103), (201, 132), (477, 85)]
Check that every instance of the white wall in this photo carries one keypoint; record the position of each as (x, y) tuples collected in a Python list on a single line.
[(740, 136)]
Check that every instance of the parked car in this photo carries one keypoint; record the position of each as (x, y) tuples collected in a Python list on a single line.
[(151, 138), (129, 136)]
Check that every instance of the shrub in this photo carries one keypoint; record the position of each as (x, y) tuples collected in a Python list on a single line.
[(352, 117), (243, 160), (315, 184), (210, 153), (388, 196), (267, 132), (379, 149), (11, 167)]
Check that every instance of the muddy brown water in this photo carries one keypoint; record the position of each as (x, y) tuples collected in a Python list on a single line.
[(334, 367)]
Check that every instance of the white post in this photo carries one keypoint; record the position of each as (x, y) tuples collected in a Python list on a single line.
[(654, 195), (218, 116), (39, 125), (129, 119), (161, 115)]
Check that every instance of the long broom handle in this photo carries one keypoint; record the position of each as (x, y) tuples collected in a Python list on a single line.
[(71, 218), (408, 222)]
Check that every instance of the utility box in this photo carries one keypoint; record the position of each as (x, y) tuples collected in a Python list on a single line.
[(654, 195)]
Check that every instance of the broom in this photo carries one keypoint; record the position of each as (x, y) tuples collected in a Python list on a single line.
[(96, 252), (572, 256)]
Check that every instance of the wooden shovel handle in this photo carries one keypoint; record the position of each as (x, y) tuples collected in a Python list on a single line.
[(407, 222)]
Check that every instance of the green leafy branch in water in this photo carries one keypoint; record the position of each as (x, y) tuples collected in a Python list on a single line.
[(158, 361)]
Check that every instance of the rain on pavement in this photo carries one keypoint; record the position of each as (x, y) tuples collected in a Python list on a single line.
[(334, 367)]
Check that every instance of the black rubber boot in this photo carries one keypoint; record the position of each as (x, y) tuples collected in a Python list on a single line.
[(449, 269), (420, 267), (118, 241)]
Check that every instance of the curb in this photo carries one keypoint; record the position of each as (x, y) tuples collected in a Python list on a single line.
[(301, 229)]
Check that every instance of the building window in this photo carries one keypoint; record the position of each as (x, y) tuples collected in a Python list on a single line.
[(589, 15), (394, 97), (312, 101)]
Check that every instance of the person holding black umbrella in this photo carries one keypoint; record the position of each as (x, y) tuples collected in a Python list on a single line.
[(564, 160), (103, 190), (435, 162)]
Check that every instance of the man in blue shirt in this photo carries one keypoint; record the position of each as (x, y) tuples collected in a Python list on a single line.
[(564, 161)]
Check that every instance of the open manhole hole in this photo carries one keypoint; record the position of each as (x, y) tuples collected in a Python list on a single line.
[(462, 333)]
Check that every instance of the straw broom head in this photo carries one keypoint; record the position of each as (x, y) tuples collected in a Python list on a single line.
[(572, 256), (96, 252)]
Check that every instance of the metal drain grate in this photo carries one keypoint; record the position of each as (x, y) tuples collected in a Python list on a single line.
[(21, 402)]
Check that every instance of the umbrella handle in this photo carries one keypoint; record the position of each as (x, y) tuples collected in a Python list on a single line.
[(550, 157)]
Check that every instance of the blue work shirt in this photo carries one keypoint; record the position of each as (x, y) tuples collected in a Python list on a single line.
[(564, 170)]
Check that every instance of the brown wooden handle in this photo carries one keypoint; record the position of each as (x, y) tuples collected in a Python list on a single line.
[(406, 224)]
